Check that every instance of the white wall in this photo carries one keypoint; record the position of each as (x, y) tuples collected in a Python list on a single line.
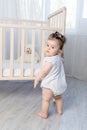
[(76, 56)]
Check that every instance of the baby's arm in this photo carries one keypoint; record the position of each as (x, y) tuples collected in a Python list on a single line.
[(42, 73)]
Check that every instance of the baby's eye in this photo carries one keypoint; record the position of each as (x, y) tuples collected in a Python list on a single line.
[(52, 47), (47, 45)]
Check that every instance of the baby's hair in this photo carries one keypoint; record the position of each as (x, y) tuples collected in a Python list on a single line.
[(58, 36)]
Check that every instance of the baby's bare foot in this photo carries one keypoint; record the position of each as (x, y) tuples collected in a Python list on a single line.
[(42, 115), (60, 113)]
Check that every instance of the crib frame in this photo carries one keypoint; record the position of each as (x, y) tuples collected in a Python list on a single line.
[(55, 22)]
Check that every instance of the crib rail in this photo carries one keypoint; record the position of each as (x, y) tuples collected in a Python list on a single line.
[(6, 29), (23, 22), (58, 19)]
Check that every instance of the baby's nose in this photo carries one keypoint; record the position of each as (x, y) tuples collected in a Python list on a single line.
[(48, 48)]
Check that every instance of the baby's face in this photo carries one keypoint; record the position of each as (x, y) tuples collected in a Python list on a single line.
[(52, 47)]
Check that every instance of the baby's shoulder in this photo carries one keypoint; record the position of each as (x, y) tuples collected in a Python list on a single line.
[(52, 59)]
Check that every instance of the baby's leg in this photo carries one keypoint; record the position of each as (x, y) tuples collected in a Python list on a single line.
[(46, 96), (59, 103)]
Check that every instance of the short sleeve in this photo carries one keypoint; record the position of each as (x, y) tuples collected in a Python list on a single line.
[(50, 60)]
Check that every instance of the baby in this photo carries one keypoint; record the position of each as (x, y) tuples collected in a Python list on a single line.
[(52, 74)]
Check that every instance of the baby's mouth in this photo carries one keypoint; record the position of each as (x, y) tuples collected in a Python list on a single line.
[(47, 51)]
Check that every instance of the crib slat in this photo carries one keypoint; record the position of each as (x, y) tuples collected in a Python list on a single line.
[(42, 46), (63, 20), (19, 40), (26, 37), (41, 34), (22, 51), (11, 51), (1, 68), (33, 53), (4, 41)]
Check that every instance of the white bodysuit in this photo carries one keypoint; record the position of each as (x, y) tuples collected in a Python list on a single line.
[(55, 80)]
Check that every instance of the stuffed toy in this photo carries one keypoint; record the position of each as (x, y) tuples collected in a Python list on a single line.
[(28, 53)]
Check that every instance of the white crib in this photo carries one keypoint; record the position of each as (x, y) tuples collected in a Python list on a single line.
[(15, 34)]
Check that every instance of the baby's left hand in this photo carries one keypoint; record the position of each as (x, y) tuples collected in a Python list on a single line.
[(35, 83)]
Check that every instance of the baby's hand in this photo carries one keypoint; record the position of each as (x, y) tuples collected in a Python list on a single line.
[(35, 83)]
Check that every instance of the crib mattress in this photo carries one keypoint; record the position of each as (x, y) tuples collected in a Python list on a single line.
[(17, 70)]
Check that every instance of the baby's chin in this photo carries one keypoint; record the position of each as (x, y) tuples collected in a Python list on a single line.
[(48, 55)]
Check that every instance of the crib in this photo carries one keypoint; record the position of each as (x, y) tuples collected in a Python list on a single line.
[(15, 34)]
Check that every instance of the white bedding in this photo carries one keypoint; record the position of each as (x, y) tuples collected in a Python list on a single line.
[(17, 70)]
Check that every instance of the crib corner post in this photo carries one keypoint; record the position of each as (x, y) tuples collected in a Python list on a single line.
[(1, 65)]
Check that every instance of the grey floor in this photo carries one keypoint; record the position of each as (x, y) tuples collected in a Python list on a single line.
[(19, 103)]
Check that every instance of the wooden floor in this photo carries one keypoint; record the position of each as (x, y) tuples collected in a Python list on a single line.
[(19, 103)]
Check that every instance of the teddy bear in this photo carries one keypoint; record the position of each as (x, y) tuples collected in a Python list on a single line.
[(28, 53)]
